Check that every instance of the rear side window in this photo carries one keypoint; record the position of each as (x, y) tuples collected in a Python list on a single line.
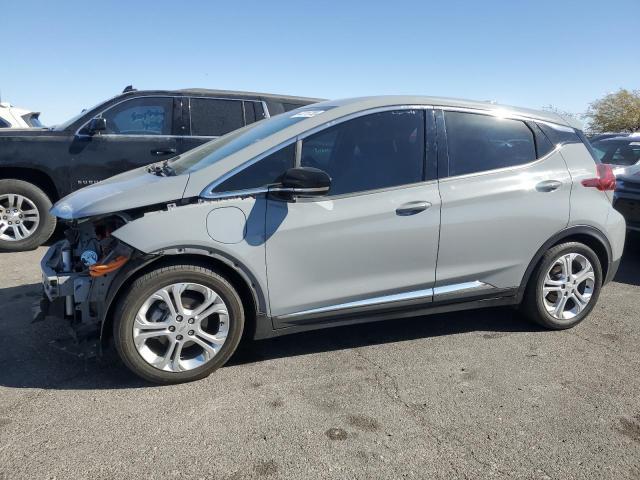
[(215, 117), (290, 106), (482, 142), (4, 124), (264, 172), (559, 134)]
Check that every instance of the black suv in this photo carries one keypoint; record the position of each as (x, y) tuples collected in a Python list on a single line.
[(37, 167)]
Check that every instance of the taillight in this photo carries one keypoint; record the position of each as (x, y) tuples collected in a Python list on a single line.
[(605, 181)]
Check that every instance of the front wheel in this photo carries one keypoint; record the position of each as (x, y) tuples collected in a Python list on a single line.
[(178, 323), (25, 222), (565, 286)]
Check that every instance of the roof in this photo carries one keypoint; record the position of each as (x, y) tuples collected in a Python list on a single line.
[(390, 100), (230, 94)]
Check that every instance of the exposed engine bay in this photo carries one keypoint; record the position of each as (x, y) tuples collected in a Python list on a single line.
[(78, 271)]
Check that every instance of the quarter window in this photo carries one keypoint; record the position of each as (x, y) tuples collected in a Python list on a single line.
[(4, 124), (140, 116), (482, 142), (264, 172), (215, 117), (374, 151)]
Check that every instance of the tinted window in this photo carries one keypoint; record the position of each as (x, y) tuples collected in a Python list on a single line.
[(482, 142), (140, 116), (543, 144), (560, 134), (264, 172), (213, 118), (249, 113), (4, 124), (290, 106), (369, 152)]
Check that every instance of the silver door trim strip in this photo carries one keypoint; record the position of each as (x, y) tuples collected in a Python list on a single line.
[(398, 297), (454, 289), (459, 288)]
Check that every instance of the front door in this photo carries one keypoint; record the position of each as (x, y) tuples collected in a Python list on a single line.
[(373, 240), (139, 132)]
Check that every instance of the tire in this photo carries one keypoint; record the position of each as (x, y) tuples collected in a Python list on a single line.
[(155, 352), (549, 284), (24, 196)]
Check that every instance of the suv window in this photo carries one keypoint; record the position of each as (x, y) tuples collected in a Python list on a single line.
[(141, 116), (4, 124), (212, 117), (483, 142), (266, 171), (374, 151)]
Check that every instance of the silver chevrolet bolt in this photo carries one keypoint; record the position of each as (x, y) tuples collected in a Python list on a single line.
[(336, 213)]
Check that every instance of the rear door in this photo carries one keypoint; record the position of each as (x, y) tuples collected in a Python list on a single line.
[(373, 241), (505, 191), (139, 131)]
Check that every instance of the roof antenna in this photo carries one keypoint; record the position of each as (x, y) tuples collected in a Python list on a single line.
[(128, 88)]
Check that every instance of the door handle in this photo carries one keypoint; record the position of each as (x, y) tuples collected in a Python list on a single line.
[(548, 186), (412, 208), (166, 151)]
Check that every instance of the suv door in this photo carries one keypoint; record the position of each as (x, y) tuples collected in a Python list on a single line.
[(505, 191), (139, 131), (373, 240), (210, 118)]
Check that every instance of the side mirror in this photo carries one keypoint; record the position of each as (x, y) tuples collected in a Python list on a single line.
[(97, 124), (305, 181)]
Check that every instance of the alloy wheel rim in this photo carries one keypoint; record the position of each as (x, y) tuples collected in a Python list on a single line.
[(568, 286), (19, 217), (181, 327)]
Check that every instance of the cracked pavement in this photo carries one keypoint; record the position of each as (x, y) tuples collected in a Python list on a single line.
[(477, 394)]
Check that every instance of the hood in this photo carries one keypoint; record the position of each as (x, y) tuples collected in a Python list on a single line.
[(133, 189)]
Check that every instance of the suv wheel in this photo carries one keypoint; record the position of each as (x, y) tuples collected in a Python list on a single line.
[(25, 222), (564, 287), (178, 323)]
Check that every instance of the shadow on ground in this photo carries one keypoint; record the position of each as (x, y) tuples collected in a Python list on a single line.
[(29, 361)]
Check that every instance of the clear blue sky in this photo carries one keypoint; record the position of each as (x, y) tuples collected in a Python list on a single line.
[(60, 57)]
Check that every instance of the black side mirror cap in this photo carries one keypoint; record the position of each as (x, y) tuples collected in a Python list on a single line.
[(97, 124), (305, 181)]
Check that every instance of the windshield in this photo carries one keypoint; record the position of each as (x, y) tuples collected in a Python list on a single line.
[(75, 118), (618, 152), (233, 142)]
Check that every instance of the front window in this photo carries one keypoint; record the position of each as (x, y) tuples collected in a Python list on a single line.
[(233, 142), (140, 116), (374, 151)]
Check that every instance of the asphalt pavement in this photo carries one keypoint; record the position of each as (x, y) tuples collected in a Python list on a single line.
[(477, 394)]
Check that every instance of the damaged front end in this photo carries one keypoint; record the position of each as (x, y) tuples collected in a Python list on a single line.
[(76, 275)]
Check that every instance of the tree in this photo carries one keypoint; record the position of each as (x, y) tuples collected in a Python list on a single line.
[(616, 112)]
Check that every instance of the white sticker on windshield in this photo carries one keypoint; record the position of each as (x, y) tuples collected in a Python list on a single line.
[(307, 114)]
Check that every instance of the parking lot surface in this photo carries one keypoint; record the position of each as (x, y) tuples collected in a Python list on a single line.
[(479, 394)]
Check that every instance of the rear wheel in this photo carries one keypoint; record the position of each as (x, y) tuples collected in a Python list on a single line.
[(178, 324), (565, 286), (25, 222)]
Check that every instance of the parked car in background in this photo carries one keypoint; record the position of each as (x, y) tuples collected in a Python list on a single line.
[(38, 167), (618, 151), (627, 196), (332, 214), (14, 117)]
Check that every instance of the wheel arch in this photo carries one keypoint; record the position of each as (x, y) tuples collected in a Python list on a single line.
[(251, 295), (34, 176), (586, 234)]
